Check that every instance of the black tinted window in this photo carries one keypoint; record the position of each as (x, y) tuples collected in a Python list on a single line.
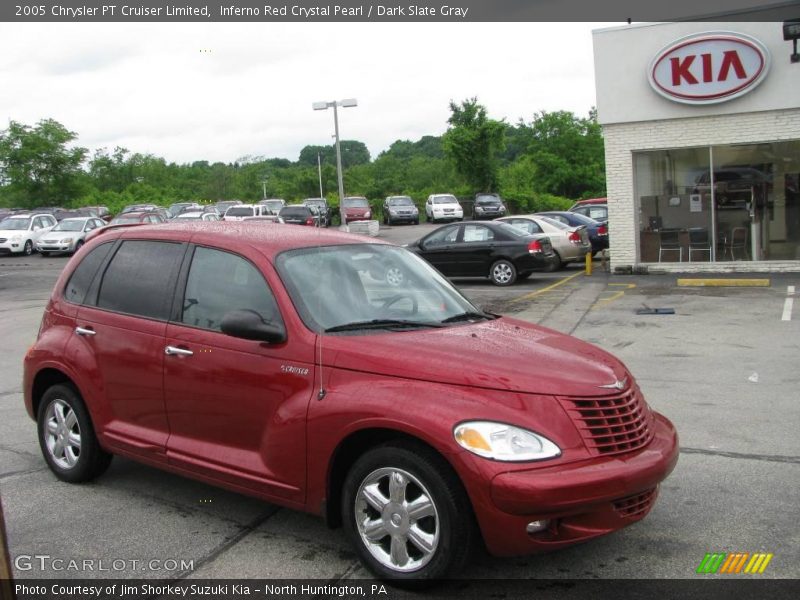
[(295, 211), (83, 274), (141, 278), (220, 282)]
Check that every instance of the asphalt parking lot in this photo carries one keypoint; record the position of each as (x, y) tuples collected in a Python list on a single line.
[(723, 368)]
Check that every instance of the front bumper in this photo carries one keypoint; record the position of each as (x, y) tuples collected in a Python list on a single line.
[(581, 500), (9, 247), (399, 218), (53, 247)]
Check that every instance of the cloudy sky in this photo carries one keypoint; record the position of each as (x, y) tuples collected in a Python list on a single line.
[(222, 91)]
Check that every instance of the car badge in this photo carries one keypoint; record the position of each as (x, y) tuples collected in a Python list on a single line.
[(617, 385)]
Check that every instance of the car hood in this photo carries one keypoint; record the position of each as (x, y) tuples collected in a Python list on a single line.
[(504, 354), (7, 233)]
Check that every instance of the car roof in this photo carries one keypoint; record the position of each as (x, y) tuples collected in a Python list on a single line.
[(236, 234), (77, 219)]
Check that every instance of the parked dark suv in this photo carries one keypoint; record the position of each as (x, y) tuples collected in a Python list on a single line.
[(488, 206), (322, 207), (276, 365)]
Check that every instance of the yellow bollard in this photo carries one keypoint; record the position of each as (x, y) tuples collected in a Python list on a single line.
[(588, 263)]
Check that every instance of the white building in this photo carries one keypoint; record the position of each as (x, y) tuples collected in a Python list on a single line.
[(702, 135)]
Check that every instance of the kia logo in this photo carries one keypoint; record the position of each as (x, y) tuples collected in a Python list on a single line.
[(709, 68)]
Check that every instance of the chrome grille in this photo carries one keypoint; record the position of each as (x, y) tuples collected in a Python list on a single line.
[(612, 424)]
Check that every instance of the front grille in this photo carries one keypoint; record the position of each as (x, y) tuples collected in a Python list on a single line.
[(612, 424), (3, 240), (637, 505)]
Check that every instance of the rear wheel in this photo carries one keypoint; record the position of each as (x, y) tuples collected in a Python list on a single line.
[(503, 272), (27, 249), (67, 438), (407, 514)]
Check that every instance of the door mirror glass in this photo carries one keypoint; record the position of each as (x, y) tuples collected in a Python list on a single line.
[(248, 324)]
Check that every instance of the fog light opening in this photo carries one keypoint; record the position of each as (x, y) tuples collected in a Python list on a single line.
[(537, 526)]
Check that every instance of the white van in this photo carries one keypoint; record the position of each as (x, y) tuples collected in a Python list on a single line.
[(242, 211)]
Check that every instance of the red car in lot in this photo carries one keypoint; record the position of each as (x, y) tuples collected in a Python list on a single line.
[(287, 368)]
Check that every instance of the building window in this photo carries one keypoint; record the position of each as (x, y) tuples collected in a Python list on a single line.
[(719, 203)]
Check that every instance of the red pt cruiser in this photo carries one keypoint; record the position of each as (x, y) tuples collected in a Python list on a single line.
[(284, 366)]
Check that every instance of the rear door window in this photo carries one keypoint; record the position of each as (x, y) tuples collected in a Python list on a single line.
[(140, 279)]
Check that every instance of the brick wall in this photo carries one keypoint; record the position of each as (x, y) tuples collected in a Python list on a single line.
[(623, 139)]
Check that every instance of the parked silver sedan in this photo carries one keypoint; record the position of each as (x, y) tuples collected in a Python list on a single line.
[(68, 235), (569, 243)]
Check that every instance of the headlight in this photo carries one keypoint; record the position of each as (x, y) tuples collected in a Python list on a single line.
[(414, 211), (500, 441), (478, 209), (392, 211), (367, 214), (66, 240)]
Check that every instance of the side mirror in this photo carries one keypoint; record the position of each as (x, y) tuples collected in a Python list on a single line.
[(248, 325)]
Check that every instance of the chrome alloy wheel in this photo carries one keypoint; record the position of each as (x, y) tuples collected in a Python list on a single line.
[(62, 434), (502, 273), (397, 519)]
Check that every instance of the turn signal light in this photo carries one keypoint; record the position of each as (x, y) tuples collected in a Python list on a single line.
[(575, 237), (602, 230), (309, 221)]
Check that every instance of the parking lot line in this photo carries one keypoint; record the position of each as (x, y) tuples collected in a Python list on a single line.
[(710, 282), (787, 305), (547, 289)]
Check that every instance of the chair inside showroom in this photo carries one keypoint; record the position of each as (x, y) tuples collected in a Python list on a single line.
[(737, 241), (699, 241), (669, 241)]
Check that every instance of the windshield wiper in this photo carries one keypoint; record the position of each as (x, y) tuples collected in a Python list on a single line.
[(381, 324), (470, 315)]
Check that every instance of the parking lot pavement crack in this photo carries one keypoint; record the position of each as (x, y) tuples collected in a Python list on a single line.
[(10, 393), (5, 476), (743, 456), (229, 542), (19, 452)]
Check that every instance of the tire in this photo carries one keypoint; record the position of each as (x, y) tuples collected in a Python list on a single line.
[(446, 526), (78, 246), (503, 272), (555, 263), (63, 415), (27, 250)]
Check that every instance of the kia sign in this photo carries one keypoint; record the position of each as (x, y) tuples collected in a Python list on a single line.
[(709, 67)]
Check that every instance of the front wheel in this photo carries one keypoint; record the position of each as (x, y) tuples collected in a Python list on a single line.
[(67, 438), (27, 249), (503, 272), (407, 514)]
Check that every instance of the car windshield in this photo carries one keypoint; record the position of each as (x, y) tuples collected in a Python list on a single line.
[(355, 203), (70, 225), (190, 215), (445, 200), (122, 219), (239, 211), (368, 288), (487, 200), (295, 211), (16, 224), (400, 201), (315, 202), (273, 205)]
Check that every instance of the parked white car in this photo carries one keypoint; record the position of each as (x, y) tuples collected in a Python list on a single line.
[(241, 211), (440, 207), (68, 235), (19, 233)]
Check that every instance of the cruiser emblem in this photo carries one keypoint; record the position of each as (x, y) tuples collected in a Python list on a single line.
[(617, 385), (294, 370)]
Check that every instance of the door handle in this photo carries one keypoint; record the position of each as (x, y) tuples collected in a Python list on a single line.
[(174, 351), (85, 331)]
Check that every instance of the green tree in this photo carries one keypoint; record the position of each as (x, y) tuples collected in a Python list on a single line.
[(473, 142), (567, 154), (38, 166)]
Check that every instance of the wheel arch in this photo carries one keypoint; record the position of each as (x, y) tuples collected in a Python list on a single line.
[(351, 448), (44, 380)]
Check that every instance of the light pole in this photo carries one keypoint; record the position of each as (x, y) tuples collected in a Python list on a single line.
[(264, 187), (324, 106), (319, 171)]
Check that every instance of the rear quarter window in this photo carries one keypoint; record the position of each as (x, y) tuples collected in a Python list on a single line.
[(84, 273)]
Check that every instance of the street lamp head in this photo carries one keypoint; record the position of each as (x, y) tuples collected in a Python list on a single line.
[(319, 105), (348, 102)]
